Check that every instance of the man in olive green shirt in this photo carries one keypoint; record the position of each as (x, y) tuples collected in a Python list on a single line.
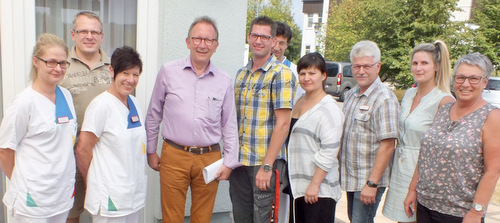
[(87, 76)]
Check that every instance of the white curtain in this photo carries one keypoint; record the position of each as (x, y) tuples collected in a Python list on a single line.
[(119, 18)]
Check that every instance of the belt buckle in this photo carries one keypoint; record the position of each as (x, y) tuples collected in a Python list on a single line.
[(191, 148)]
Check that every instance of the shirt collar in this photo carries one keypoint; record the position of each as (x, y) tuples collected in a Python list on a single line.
[(186, 63), (369, 90), (269, 63), (104, 57)]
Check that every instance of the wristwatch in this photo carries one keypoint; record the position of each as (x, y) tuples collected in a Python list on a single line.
[(478, 207), (371, 184), (266, 167)]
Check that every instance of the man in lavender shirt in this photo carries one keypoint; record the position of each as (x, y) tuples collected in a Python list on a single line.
[(194, 100)]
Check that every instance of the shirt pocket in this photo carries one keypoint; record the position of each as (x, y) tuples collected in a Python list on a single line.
[(42, 128), (214, 108), (362, 122), (121, 197), (260, 91), (48, 192)]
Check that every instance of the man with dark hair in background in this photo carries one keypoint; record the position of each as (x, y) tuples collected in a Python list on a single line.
[(283, 37)]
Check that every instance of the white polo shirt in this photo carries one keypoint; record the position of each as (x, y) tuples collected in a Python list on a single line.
[(116, 180), (42, 135)]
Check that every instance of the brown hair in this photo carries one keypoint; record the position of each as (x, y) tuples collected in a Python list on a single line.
[(89, 14)]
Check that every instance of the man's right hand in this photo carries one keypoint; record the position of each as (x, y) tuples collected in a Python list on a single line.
[(154, 161), (368, 195)]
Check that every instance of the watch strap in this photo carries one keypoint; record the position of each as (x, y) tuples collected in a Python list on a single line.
[(371, 184)]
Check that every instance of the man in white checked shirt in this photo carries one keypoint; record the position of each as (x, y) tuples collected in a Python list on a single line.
[(370, 130)]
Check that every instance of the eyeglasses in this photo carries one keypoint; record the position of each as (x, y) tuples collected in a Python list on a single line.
[(460, 79), (197, 40), (364, 66), (85, 32), (254, 37), (52, 63)]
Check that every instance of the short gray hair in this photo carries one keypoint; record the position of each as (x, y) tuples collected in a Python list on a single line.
[(476, 59), (365, 48), (207, 20)]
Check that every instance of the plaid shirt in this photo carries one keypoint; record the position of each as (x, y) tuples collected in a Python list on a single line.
[(258, 94), (369, 118)]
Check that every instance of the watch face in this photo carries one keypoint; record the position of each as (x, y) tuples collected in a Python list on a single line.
[(266, 167), (478, 207)]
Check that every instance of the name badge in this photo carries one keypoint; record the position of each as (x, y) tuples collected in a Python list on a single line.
[(62, 120), (364, 107), (134, 118)]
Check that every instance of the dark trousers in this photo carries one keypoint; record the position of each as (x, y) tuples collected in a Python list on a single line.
[(250, 204), (426, 215), (321, 211)]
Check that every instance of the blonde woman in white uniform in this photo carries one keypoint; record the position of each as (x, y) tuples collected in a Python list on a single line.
[(111, 151), (430, 65), (36, 140)]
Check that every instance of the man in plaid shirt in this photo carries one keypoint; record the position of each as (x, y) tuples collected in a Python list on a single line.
[(264, 92), (370, 130)]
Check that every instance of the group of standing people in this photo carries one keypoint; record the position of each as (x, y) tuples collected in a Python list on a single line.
[(42, 144), (281, 133)]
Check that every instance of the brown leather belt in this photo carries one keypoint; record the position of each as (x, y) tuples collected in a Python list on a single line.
[(196, 150)]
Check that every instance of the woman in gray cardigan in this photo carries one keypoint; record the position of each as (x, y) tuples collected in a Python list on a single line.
[(314, 142)]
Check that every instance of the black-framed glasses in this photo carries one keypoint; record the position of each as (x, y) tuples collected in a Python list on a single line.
[(460, 79), (358, 67), (85, 32), (254, 37), (197, 40), (53, 63)]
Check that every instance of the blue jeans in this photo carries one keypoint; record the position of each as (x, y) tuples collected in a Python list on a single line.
[(360, 213)]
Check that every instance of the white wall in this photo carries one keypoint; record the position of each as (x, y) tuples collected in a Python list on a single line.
[(176, 16)]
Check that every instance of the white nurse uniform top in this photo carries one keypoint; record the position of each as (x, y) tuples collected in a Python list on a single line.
[(42, 134), (116, 180)]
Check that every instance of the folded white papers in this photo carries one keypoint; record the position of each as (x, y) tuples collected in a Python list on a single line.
[(210, 171)]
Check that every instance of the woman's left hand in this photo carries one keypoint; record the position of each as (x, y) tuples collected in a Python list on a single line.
[(311, 195), (473, 216)]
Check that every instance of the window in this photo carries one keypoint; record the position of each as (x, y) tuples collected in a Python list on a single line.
[(119, 19), (347, 70), (332, 69), (310, 21), (308, 49)]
